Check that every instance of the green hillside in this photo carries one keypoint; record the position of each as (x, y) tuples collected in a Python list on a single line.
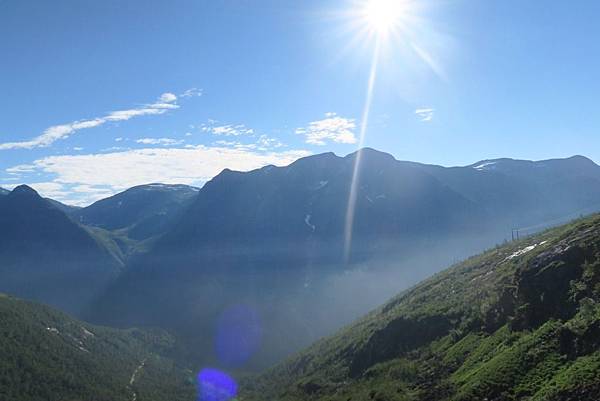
[(520, 322), (46, 355)]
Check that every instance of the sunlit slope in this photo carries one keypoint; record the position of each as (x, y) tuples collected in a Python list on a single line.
[(519, 321), (46, 355)]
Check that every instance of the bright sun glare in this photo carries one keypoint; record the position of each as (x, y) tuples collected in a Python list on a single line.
[(383, 15)]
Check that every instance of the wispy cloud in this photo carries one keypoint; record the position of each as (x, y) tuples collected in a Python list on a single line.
[(166, 102), (425, 114), (213, 127), (240, 136), (191, 92), (82, 179), (332, 128), (159, 141)]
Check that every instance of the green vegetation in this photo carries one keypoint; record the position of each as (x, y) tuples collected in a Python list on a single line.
[(46, 355), (519, 322)]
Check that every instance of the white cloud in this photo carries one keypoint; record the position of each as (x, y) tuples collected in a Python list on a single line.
[(266, 142), (263, 143), (20, 169), (87, 178), (63, 131), (332, 128), (52, 190), (191, 92), (160, 141), (425, 114), (168, 97), (226, 130)]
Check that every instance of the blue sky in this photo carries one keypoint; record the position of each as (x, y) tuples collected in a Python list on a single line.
[(100, 96)]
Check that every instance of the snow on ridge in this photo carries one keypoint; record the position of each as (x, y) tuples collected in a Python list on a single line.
[(485, 166)]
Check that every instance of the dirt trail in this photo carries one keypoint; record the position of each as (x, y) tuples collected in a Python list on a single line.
[(133, 379)]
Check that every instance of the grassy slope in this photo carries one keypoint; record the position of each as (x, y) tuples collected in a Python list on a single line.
[(514, 323), (46, 355)]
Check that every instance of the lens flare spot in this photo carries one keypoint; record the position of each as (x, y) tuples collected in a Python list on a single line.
[(215, 385), (238, 336)]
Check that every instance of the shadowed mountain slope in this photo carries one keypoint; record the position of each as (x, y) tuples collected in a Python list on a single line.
[(47, 257)]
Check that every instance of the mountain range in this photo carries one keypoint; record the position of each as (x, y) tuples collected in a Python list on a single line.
[(520, 321), (273, 240)]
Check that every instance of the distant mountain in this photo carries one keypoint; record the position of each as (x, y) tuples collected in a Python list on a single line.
[(141, 212), (523, 193), (4, 191), (274, 238), (46, 256), (518, 322), (47, 355)]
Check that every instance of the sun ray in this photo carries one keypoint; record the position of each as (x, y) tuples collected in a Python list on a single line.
[(354, 185), (382, 22)]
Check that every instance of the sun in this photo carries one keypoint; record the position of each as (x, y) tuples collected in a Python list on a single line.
[(383, 15)]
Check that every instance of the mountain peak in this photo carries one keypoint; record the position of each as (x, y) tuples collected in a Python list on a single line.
[(581, 160), (370, 152), (24, 190)]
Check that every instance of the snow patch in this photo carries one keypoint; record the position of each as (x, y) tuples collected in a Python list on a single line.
[(320, 185), (484, 166), (308, 223), (523, 251), (53, 330), (87, 333)]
